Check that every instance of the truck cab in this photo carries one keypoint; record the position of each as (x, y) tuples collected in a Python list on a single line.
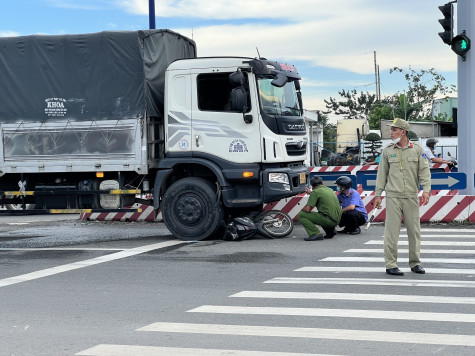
[(238, 122)]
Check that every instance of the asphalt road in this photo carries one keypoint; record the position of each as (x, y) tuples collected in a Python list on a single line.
[(69, 287)]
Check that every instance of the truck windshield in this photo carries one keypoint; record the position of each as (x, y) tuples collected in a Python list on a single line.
[(278, 101)]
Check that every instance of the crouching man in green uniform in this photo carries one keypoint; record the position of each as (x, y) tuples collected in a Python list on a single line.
[(328, 215), (402, 167)]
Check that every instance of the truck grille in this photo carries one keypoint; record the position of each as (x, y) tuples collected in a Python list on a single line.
[(296, 148)]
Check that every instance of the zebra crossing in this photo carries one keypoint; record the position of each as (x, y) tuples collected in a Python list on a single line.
[(342, 305)]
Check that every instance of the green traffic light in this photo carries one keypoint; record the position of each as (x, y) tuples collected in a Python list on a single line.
[(461, 45)]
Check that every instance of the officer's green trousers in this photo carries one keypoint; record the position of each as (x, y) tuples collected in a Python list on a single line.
[(309, 220), (395, 208)]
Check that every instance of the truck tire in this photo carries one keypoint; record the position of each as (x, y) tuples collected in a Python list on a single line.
[(191, 210)]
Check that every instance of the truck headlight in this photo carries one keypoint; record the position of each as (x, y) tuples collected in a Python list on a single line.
[(278, 178)]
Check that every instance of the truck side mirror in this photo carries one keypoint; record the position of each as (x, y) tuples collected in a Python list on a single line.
[(237, 78), (239, 100), (239, 103)]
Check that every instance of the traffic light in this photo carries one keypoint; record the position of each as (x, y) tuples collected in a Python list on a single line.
[(447, 23), (461, 45)]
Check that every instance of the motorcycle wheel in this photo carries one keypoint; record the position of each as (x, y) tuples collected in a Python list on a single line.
[(275, 223)]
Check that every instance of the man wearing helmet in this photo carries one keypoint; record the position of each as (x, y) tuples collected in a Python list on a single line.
[(402, 169), (429, 153), (328, 214), (353, 210)]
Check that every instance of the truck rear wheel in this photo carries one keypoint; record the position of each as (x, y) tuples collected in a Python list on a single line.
[(191, 210)]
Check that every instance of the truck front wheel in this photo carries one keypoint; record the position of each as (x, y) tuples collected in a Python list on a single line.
[(191, 210)]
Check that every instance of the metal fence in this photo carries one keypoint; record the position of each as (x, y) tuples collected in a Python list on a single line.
[(358, 154)]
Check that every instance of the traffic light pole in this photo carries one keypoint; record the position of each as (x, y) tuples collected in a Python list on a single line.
[(151, 14), (466, 95)]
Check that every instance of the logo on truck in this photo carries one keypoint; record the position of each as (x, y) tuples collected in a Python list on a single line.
[(184, 144), (238, 146), (296, 127), (55, 107)]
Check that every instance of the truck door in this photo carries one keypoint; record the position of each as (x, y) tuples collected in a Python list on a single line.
[(218, 128), (178, 109)]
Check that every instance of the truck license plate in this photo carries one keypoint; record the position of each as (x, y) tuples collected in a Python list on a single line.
[(302, 178)]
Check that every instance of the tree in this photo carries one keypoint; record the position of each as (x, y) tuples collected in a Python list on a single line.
[(329, 132), (380, 111), (389, 108), (414, 104), (411, 135), (353, 105), (423, 87), (372, 143)]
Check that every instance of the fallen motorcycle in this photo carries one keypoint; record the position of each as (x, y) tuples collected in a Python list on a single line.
[(269, 224)]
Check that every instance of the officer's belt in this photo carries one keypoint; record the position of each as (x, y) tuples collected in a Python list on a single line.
[(329, 218)]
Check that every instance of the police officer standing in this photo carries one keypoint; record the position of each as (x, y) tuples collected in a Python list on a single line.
[(402, 168)]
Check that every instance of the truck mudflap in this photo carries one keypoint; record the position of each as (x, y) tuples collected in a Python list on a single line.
[(280, 183)]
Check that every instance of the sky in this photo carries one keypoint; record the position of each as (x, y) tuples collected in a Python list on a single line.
[(332, 42)]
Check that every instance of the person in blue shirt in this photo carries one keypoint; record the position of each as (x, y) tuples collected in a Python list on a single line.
[(378, 157), (353, 210)]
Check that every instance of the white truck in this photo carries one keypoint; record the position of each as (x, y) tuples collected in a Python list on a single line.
[(89, 122)]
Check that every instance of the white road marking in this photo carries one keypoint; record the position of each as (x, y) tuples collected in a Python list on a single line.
[(86, 263), (130, 350), (375, 282), (427, 243), (355, 296), (314, 333), (423, 229), (405, 250), (337, 313), (382, 270), (381, 260), (62, 249), (423, 236)]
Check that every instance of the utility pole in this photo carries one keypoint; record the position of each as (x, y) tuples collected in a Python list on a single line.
[(379, 85), (466, 93), (151, 14), (376, 75)]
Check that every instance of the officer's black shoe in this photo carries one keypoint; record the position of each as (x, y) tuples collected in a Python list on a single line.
[(330, 233), (418, 269), (394, 271), (356, 231), (344, 231), (314, 237)]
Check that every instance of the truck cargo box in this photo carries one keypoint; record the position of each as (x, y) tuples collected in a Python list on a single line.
[(72, 102)]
